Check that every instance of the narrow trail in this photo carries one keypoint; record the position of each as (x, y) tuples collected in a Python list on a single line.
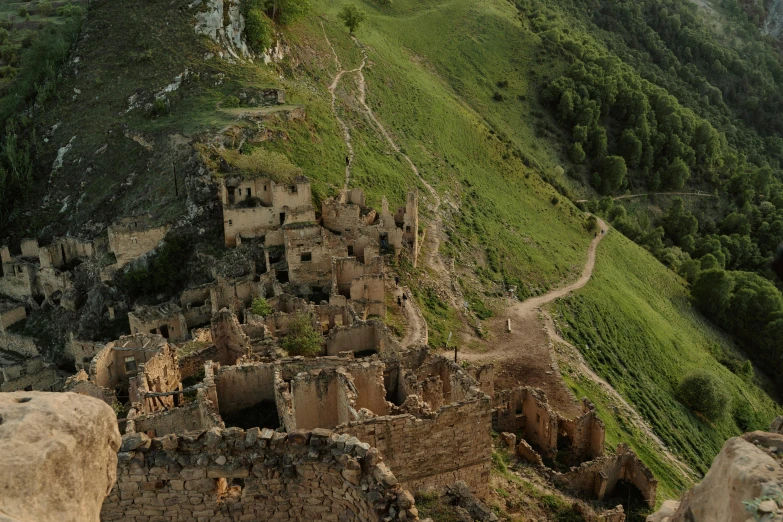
[(629, 196), (332, 88), (523, 356), (416, 332), (433, 236)]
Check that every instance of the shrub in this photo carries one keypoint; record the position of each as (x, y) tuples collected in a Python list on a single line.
[(302, 339), (22, 11), (261, 307), (231, 102), (704, 393), (258, 29), (497, 96)]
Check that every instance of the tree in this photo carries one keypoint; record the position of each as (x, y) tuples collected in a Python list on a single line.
[(677, 174), (577, 153), (614, 174), (286, 11), (258, 29), (712, 292), (352, 16), (704, 393), (302, 338), (261, 307)]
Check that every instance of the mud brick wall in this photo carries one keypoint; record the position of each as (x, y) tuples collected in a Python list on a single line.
[(431, 453), (236, 475)]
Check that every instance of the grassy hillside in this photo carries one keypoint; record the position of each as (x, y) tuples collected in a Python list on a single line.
[(464, 107), (634, 325)]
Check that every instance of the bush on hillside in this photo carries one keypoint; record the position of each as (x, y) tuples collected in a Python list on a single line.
[(302, 338), (704, 393), (259, 30)]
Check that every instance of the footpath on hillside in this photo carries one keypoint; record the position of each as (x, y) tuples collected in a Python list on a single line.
[(523, 355)]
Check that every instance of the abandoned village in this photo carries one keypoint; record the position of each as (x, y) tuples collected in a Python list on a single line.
[(219, 422)]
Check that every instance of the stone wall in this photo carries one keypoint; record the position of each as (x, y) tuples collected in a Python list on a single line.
[(11, 314), (198, 415), (193, 362), (230, 475), (19, 344), (359, 337), (600, 476), (526, 410), (453, 444), (81, 352), (33, 374), (133, 238), (160, 374), (244, 385)]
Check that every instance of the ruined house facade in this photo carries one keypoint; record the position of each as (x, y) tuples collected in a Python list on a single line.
[(166, 320), (254, 207), (579, 442), (42, 273), (134, 237)]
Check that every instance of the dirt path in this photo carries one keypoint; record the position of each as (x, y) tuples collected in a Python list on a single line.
[(332, 88), (416, 333), (628, 196), (523, 356), (433, 234)]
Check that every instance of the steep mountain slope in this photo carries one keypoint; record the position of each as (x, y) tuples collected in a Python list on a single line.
[(145, 101)]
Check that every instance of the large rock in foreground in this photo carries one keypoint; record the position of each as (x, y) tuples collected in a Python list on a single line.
[(747, 469), (58, 456)]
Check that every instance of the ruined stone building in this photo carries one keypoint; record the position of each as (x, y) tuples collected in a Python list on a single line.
[(41, 273), (133, 237), (166, 320), (387, 400), (551, 440), (254, 207), (362, 227), (30, 374)]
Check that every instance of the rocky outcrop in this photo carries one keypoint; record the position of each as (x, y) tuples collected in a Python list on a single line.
[(745, 482), (59, 456)]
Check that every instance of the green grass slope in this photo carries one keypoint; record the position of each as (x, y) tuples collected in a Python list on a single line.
[(636, 328)]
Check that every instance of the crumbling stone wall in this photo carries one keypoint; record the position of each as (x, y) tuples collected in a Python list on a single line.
[(166, 319), (359, 337), (455, 443), (11, 313), (244, 385), (32, 374), (65, 250), (230, 340), (227, 475), (134, 237), (199, 415), (160, 374), (81, 384), (193, 362), (526, 410), (81, 352), (600, 476)]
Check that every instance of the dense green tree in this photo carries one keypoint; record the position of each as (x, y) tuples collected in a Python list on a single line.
[(613, 174), (704, 393), (352, 16)]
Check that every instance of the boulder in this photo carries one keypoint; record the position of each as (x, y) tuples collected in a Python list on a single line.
[(745, 470), (59, 456)]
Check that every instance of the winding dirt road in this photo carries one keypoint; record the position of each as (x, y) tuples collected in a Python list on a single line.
[(629, 196), (524, 356)]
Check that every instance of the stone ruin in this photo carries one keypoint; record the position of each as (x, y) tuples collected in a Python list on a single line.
[(235, 474), (549, 440)]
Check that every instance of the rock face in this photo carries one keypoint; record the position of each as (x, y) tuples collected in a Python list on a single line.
[(58, 456), (747, 469)]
